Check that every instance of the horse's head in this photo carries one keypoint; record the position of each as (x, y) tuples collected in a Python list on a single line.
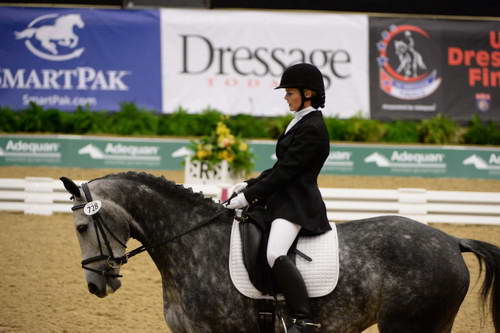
[(102, 229), (477, 161), (72, 19), (78, 21), (378, 159), (92, 150)]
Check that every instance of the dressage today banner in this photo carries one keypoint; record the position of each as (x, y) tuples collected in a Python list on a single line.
[(232, 60), (64, 58), (168, 154), (421, 67)]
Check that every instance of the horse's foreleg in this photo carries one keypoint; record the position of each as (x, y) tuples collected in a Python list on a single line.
[(51, 47)]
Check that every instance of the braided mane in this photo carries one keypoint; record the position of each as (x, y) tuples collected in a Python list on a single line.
[(163, 186)]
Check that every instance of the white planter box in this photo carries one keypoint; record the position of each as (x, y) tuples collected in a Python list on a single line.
[(197, 172)]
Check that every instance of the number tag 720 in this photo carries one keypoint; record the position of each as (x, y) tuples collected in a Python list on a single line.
[(92, 207)]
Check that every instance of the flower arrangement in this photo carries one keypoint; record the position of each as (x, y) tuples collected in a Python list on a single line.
[(220, 146)]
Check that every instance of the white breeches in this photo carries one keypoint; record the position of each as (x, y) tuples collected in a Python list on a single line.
[(281, 237)]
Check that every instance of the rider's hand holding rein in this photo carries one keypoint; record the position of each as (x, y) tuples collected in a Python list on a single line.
[(237, 202), (238, 188)]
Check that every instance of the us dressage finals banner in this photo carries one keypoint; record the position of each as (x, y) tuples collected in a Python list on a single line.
[(168, 154), (421, 67)]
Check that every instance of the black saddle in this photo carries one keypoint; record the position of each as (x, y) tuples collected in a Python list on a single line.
[(254, 230)]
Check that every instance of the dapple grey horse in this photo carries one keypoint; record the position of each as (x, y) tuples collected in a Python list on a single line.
[(401, 274)]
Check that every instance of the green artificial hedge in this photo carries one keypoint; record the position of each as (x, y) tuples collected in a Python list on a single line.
[(131, 120)]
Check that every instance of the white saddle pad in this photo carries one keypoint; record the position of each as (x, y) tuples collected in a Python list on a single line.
[(320, 275)]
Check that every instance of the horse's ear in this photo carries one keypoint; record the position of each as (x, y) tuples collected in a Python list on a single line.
[(71, 187)]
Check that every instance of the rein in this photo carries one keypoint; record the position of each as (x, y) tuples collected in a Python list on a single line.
[(112, 261)]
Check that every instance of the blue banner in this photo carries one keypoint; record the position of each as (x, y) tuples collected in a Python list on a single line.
[(64, 58)]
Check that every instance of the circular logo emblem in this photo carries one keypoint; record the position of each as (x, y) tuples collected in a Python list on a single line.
[(52, 37), (406, 57)]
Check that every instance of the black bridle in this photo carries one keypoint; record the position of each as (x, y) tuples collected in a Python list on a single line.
[(112, 261)]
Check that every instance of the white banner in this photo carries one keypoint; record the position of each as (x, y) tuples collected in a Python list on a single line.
[(231, 60)]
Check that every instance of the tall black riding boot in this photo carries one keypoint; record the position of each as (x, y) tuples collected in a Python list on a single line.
[(291, 284)]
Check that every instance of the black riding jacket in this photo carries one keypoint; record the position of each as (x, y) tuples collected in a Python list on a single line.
[(289, 189)]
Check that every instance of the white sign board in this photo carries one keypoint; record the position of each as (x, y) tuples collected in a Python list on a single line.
[(231, 60)]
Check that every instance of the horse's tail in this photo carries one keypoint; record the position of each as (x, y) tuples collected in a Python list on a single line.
[(26, 33), (489, 255)]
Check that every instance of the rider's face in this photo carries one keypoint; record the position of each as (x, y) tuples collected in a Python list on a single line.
[(294, 100)]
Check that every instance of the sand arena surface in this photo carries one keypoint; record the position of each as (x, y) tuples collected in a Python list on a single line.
[(42, 286)]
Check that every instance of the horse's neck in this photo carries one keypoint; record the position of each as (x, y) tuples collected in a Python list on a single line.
[(197, 254), (165, 217), (64, 22)]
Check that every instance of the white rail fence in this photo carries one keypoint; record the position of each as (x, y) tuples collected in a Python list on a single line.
[(35, 195)]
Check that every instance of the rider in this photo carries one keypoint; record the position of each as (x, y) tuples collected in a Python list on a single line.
[(290, 190)]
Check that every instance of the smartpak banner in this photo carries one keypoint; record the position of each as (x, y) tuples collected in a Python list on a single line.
[(64, 58), (232, 60), (419, 68), (168, 154)]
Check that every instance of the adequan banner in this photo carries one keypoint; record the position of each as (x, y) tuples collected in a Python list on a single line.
[(64, 58), (168, 154), (421, 67), (232, 60)]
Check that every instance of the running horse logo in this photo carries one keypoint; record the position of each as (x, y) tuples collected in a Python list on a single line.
[(51, 36), (379, 159), (477, 162), (94, 152)]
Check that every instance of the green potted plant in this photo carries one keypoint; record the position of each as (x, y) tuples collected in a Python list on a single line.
[(220, 157)]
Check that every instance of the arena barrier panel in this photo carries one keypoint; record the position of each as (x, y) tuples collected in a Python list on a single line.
[(45, 196), (360, 159)]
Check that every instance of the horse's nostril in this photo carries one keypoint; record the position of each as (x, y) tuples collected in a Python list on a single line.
[(92, 288)]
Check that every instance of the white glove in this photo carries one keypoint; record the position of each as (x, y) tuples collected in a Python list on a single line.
[(239, 187), (237, 202)]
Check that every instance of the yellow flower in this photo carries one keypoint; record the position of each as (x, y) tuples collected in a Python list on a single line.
[(201, 154), (225, 141), (226, 155), (242, 146), (222, 129)]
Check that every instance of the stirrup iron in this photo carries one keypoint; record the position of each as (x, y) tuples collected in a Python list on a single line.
[(302, 323)]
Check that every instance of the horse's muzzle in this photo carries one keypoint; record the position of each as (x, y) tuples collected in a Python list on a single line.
[(102, 287)]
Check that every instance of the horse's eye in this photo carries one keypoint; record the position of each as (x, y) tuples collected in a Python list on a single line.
[(82, 228)]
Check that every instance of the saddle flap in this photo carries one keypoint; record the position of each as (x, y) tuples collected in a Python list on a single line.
[(254, 244)]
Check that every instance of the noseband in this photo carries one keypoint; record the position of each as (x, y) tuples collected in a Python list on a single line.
[(112, 261)]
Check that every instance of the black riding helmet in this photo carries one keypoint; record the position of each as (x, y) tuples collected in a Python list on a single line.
[(305, 76)]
